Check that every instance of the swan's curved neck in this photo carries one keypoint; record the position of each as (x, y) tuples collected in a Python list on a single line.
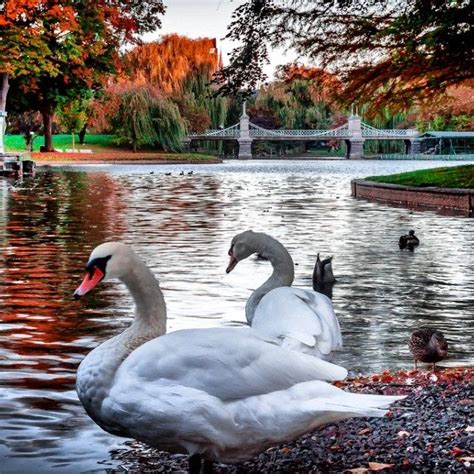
[(283, 271), (150, 307), (97, 371)]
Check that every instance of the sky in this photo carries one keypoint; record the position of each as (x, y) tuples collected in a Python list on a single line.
[(197, 18)]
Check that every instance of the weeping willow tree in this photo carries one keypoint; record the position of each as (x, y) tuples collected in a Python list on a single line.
[(168, 62), (197, 95), (303, 97), (196, 89), (144, 119), (384, 119), (170, 128), (300, 97), (181, 69)]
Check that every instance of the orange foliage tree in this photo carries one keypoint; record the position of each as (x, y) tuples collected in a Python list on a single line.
[(176, 68), (168, 62), (53, 49), (452, 111)]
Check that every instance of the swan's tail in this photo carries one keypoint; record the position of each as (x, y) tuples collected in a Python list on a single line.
[(285, 415)]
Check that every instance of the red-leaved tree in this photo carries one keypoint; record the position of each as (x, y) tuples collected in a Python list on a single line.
[(57, 49)]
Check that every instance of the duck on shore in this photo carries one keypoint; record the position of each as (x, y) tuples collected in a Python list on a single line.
[(428, 345), (408, 241)]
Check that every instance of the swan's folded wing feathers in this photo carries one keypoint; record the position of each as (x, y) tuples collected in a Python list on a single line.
[(285, 314), (301, 315), (227, 363)]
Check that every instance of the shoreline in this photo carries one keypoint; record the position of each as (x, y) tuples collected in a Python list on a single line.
[(78, 161), (45, 163), (455, 201)]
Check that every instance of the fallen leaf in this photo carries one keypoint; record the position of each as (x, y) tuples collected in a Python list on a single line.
[(469, 429), (386, 378), (456, 451), (378, 466), (402, 434), (467, 458), (364, 431)]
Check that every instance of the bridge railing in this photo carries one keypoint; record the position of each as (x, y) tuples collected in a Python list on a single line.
[(420, 156), (232, 131), (256, 131), (369, 131)]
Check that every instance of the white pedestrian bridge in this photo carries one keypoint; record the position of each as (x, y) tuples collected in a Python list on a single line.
[(354, 133)]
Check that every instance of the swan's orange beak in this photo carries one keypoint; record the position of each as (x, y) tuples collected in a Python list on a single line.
[(90, 281), (232, 263)]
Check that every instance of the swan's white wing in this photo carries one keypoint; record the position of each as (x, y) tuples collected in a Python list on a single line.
[(175, 417), (303, 319), (227, 363)]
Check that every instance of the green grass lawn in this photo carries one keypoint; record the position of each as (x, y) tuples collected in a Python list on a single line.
[(17, 142), (449, 177)]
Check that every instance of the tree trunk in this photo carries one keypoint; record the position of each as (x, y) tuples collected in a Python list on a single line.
[(4, 86), (48, 129), (82, 134), (28, 141), (3, 91)]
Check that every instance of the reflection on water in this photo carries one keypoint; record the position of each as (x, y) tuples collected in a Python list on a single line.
[(182, 226)]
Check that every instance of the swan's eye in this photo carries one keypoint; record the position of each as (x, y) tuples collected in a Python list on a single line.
[(99, 263), (230, 252)]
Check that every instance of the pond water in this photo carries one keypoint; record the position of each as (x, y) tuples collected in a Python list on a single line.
[(182, 226)]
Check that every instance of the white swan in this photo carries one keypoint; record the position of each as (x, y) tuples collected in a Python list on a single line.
[(219, 394), (303, 320)]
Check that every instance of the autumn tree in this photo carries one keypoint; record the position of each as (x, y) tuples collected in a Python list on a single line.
[(56, 49), (384, 52), (453, 111), (168, 62), (182, 69)]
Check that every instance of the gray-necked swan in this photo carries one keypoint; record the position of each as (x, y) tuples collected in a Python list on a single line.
[(217, 394), (302, 320)]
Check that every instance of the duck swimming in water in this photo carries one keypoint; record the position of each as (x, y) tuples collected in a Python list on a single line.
[(323, 277), (409, 241), (428, 345)]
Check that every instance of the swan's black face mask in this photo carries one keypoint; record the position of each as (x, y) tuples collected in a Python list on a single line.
[(95, 273)]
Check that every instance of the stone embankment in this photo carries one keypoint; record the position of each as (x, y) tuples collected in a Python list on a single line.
[(458, 201)]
